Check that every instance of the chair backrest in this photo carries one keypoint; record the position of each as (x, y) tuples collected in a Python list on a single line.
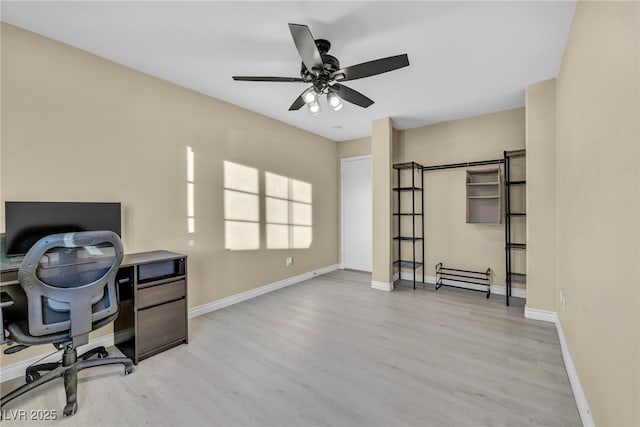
[(69, 280)]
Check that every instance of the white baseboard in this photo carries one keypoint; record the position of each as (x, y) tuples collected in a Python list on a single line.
[(537, 314), (495, 289), (576, 387), (515, 292), (17, 369), (252, 293), (382, 286), (574, 380)]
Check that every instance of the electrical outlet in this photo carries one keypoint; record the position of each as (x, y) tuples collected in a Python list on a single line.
[(288, 261)]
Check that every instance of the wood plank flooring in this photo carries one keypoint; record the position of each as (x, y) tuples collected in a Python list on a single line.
[(331, 351)]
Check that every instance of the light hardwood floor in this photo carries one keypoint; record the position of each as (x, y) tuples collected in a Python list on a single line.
[(332, 351)]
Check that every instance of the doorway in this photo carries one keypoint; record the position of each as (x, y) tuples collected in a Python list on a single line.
[(356, 207)]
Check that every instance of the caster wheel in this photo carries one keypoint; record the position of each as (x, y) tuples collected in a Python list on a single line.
[(70, 409), (103, 354), (128, 370), (31, 377)]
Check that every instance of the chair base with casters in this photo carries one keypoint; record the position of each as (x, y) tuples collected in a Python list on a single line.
[(67, 368)]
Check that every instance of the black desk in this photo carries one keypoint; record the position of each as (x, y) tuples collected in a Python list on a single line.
[(153, 302), (12, 297)]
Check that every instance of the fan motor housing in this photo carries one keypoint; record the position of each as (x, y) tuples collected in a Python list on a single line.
[(330, 63)]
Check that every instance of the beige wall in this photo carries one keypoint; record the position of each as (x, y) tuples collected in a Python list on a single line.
[(382, 151), (541, 195), (449, 238), (598, 216), (354, 147), (76, 127)]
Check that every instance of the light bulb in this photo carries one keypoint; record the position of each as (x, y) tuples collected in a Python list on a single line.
[(314, 107), (334, 101), (309, 96)]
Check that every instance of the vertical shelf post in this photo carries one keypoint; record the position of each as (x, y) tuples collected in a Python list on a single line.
[(399, 223), (424, 273), (417, 235), (507, 229), (413, 221), (510, 245)]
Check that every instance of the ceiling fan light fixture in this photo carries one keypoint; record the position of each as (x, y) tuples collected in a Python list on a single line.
[(310, 96), (314, 108), (334, 101)]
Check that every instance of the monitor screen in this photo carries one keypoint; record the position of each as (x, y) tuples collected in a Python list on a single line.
[(28, 222)]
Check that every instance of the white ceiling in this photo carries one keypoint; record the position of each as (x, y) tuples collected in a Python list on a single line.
[(467, 58)]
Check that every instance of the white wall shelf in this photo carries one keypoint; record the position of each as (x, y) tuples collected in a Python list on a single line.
[(484, 196)]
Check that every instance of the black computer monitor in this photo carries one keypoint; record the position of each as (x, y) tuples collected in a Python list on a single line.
[(28, 222)]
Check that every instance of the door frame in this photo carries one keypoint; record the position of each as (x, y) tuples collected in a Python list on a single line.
[(344, 160)]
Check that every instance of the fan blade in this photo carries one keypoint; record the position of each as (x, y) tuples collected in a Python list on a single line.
[(297, 104), (350, 95), (306, 46), (371, 68), (267, 79)]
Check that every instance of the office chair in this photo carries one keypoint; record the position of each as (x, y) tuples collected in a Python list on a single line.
[(69, 282)]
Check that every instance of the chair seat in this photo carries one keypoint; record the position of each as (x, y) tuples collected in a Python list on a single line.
[(20, 332)]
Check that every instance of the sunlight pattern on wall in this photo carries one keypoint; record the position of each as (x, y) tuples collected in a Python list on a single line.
[(191, 220), (241, 207), (288, 211)]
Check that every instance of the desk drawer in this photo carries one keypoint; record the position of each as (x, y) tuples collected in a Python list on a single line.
[(161, 325), (155, 295)]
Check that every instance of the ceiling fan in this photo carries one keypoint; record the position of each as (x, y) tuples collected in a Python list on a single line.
[(325, 75)]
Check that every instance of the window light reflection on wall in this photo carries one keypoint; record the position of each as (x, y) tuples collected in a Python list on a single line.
[(191, 221), (288, 211), (241, 207)]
